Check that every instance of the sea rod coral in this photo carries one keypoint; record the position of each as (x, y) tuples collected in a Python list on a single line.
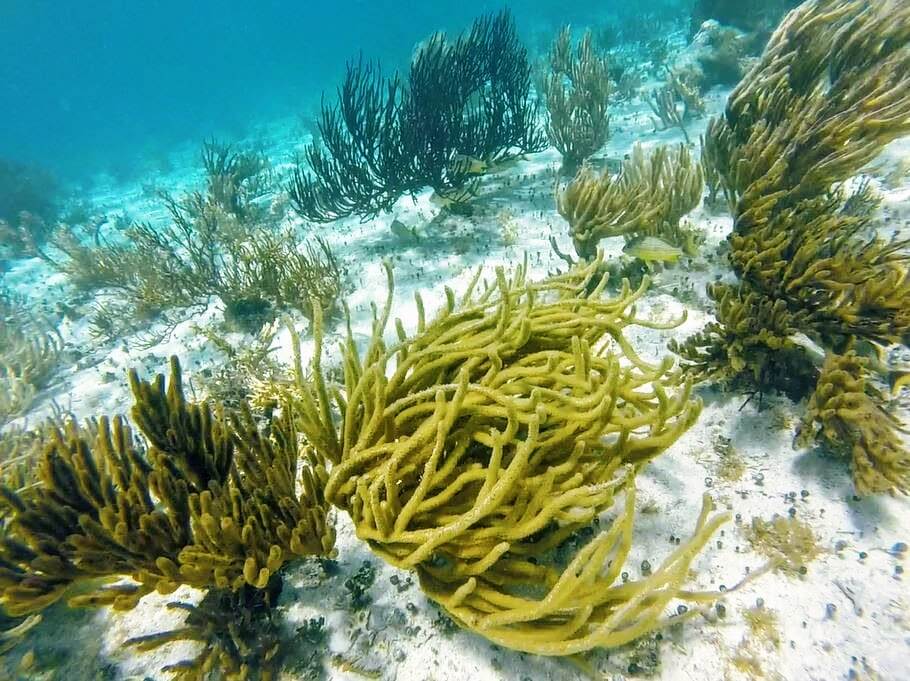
[(211, 500), (472, 449), (649, 197), (219, 241), (830, 91), (576, 95)]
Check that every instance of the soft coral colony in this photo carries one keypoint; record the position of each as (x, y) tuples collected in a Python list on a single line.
[(506, 424), (208, 499), (829, 93), (476, 449), (471, 450)]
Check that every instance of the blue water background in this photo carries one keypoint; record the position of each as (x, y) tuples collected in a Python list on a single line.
[(99, 85)]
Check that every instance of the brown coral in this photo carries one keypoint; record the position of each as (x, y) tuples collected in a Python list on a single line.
[(649, 196), (848, 413), (212, 503), (577, 93)]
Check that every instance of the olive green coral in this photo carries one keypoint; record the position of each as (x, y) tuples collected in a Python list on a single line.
[(472, 448), (239, 631), (30, 347), (716, 157), (217, 242), (17, 471), (649, 196), (236, 180), (246, 515), (577, 92), (665, 101), (213, 502), (833, 71), (14, 629), (752, 342), (847, 412), (16, 395), (828, 94), (830, 91), (20, 452)]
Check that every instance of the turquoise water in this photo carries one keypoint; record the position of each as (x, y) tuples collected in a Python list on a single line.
[(333, 348), (93, 86)]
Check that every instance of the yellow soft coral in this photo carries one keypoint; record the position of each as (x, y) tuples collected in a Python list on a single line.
[(847, 412), (473, 448)]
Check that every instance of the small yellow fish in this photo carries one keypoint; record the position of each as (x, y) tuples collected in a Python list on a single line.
[(469, 165), (505, 163), (652, 249)]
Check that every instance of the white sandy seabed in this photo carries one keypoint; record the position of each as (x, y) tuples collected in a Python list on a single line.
[(848, 617)]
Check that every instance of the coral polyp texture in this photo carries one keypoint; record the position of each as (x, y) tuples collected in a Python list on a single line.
[(849, 414), (473, 448), (752, 342), (832, 72)]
